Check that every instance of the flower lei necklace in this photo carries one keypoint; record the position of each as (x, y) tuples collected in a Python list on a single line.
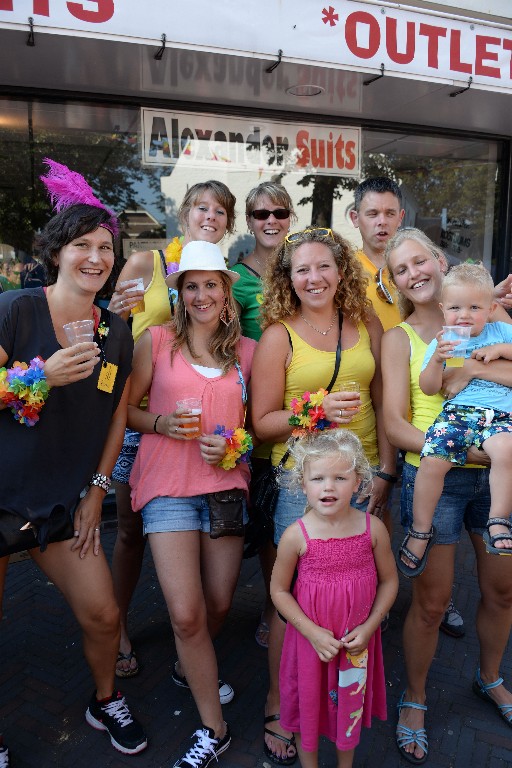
[(173, 254), (238, 446), (308, 414), (24, 389)]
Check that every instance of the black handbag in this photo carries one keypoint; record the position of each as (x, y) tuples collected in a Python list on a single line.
[(15, 536), (264, 489), (226, 513)]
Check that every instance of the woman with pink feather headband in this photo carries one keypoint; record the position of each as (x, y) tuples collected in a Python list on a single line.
[(48, 404)]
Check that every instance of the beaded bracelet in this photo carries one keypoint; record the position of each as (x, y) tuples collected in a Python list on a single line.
[(102, 481), (24, 389), (238, 446)]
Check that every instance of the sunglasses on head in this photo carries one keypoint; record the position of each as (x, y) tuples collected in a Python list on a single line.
[(262, 214), (382, 290), (320, 231)]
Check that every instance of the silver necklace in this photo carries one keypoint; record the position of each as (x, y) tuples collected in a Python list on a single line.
[(323, 333)]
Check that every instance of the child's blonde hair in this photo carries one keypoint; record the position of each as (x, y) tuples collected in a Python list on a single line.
[(471, 275), (338, 443)]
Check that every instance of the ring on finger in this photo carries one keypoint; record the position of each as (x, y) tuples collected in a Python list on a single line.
[(96, 529), (341, 413)]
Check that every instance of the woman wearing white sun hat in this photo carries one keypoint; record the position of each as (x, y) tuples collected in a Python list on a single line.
[(199, 354)]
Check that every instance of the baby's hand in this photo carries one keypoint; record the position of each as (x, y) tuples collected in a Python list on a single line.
[(325, 644), (444, 348), (486, 354), (357, 640)]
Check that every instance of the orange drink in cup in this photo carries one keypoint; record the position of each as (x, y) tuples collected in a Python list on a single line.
[(136, 285), (460, 334), (353, 388), (191, 418)]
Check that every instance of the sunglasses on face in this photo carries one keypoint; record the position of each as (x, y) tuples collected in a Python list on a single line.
[(320, 231), (262, 214), (382, 290)]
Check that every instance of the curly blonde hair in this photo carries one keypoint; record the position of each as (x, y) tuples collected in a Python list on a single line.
[(334, 443), (405, 305), (279, 298), (223, 344)]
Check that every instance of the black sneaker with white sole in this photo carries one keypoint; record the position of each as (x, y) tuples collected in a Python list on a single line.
[(226, 693), (112, 715), (205, 749)]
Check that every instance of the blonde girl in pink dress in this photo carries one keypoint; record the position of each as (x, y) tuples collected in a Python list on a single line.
[(332, 673)]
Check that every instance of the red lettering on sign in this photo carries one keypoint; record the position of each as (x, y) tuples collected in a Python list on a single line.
[(302, 146), (104, 13), (350, 162), (433, 34), (360, 17), (507, 45), (339, 146), (455, 63), (483, 54), (392, 42), (6, 5), (41, 7)]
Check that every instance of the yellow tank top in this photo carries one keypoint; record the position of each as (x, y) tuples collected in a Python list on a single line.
[(312, 369), (156, 302), (388, 314)]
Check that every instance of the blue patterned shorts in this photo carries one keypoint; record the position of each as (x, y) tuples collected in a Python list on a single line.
[(460, 426), (126, 459)]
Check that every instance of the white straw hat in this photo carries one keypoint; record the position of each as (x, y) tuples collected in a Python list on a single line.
[(203, 256)]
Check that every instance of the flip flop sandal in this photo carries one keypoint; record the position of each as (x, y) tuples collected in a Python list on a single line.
[(289, 759), (419, 562), (132, 671), (405, 736), (262, 633), (490, 541), (481, 689)]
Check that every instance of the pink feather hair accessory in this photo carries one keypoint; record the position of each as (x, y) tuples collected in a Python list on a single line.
[(67, 188)]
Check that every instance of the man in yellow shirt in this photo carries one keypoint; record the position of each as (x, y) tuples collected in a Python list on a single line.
[(377, 214)]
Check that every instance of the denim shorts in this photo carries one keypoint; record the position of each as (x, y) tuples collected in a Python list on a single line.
[(188, 513), (291, 505), (466, 500), (126, 459)]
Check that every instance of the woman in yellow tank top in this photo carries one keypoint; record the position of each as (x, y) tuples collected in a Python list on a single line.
[(314, 291), (416, 266), (206, 213)]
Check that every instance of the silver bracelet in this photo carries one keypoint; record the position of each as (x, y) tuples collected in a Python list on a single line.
[(102, 481)]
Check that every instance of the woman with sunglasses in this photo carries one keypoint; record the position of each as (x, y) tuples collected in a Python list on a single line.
[(314, 303), (207, 212), (268, 210)]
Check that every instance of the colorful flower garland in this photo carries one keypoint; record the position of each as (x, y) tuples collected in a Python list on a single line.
[(23, 389), (308, 414), (173, 254), (238, 446)]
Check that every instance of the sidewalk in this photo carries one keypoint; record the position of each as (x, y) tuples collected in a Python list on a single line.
[(45, 684)]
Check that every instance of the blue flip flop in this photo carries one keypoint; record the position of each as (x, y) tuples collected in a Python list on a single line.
[(405, 736), (482, 689)]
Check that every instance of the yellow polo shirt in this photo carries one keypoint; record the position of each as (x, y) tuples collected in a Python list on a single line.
[(388, 314)]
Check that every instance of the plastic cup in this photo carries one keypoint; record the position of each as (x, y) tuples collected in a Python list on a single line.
[(461, 334), (350, 386), (194, 408), (79, 331), (136, 285)]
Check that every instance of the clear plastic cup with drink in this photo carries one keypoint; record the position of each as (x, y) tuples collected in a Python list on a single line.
[(351, 387), (135, 285), (79, 331), (461, 334), (191, 417)]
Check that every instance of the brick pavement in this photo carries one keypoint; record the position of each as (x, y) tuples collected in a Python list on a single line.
[(45, 684)]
